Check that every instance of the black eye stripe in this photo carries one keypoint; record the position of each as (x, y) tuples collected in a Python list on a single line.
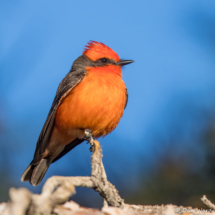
[(104, 62)]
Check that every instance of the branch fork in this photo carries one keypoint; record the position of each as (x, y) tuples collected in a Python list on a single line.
[(57, 189)]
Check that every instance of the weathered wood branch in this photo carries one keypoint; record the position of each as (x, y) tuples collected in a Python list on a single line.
[(98, 181), (58, 189), (208, 202)]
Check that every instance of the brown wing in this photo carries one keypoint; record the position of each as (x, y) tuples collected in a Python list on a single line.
[(126, 94), (66, 85)]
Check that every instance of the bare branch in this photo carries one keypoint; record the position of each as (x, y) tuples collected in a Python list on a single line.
[(208, 202), (58, 189), (98, 181)]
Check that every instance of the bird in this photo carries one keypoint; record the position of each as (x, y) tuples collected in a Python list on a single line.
[(92, 97)]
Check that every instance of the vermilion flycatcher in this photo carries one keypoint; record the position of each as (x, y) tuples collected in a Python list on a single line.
[(92, 96)]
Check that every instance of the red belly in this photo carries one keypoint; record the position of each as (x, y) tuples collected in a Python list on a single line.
[(97, 103)]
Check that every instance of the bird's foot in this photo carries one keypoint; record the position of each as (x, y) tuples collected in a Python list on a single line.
[(88, 135), (89, 138)]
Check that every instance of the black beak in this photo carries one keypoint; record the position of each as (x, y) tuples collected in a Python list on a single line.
[(124, 62)]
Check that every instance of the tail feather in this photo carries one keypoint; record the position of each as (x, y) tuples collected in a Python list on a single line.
[(26, 176), (35, 173)]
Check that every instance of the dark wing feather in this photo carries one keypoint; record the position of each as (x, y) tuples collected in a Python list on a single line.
[(68, 148), (126, 94), (67, 84)]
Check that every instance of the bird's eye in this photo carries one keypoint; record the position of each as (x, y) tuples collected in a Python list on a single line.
[(104, 60)]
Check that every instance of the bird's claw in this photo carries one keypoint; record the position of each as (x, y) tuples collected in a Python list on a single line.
[(88, 135), (92, 148), (89, 138)]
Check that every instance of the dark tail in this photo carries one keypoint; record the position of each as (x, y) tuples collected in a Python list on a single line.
[(35, 173)]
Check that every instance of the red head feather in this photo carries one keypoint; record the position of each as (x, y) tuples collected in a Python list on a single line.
[(95, 50)]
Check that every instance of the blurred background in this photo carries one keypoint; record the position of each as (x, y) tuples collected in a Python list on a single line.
[(164, 146)]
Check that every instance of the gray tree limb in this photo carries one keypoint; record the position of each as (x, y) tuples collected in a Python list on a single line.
[(57, 190)]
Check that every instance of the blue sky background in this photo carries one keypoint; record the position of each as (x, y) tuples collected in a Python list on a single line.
[(172, 43)]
